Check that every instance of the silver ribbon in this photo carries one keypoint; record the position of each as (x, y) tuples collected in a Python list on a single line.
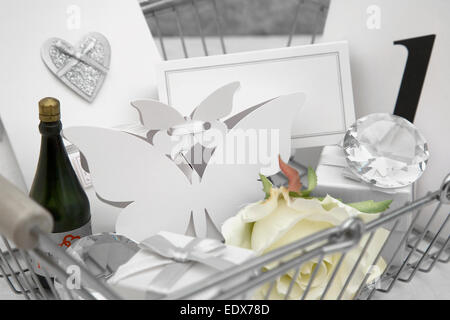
[(203, 251), (79, 56)]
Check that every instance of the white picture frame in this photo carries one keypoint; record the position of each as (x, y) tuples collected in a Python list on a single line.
[(321, 71)]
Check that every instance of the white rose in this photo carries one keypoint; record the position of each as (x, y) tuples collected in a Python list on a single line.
[(280, 219)]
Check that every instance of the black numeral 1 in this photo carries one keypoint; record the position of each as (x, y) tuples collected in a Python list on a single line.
[(419, 53)]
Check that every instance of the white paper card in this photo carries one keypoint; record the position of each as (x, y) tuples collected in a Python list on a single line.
[(24, 27), (322, 72)]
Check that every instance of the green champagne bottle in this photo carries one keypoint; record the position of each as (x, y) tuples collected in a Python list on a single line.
[(56, 186)]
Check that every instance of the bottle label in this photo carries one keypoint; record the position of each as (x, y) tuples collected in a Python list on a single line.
[(63, 240)]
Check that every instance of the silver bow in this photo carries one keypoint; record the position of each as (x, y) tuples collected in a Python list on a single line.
[(204, 251), (79, 55)]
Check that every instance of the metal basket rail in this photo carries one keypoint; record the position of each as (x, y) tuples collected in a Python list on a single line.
[(425, 249), (23, 280), (417, 259), (154, 9), (341, 239), (26, 224)]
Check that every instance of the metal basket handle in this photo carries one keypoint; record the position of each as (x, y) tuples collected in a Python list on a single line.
[(19, 215)]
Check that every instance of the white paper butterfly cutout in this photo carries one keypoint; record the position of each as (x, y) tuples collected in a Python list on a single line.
[(127, 168), (206, 116)]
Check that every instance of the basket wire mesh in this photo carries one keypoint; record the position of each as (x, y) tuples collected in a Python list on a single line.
[(425, 246)]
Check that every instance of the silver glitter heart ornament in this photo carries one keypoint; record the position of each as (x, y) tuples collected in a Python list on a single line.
[(83, 68)]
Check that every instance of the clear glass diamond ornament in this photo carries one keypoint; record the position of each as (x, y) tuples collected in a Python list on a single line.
[(385, 150)]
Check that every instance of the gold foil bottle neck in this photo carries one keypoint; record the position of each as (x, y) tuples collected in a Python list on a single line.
[(49, 110)]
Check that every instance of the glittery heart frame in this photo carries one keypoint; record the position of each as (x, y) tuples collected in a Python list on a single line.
[(83, 68)]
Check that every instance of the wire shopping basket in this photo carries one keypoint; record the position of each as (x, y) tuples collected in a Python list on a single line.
[(171, 12), (25, 226)]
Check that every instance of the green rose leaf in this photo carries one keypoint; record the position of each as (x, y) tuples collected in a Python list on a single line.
[(294, 194), (267, 185), (312, 182), (371, 206)]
